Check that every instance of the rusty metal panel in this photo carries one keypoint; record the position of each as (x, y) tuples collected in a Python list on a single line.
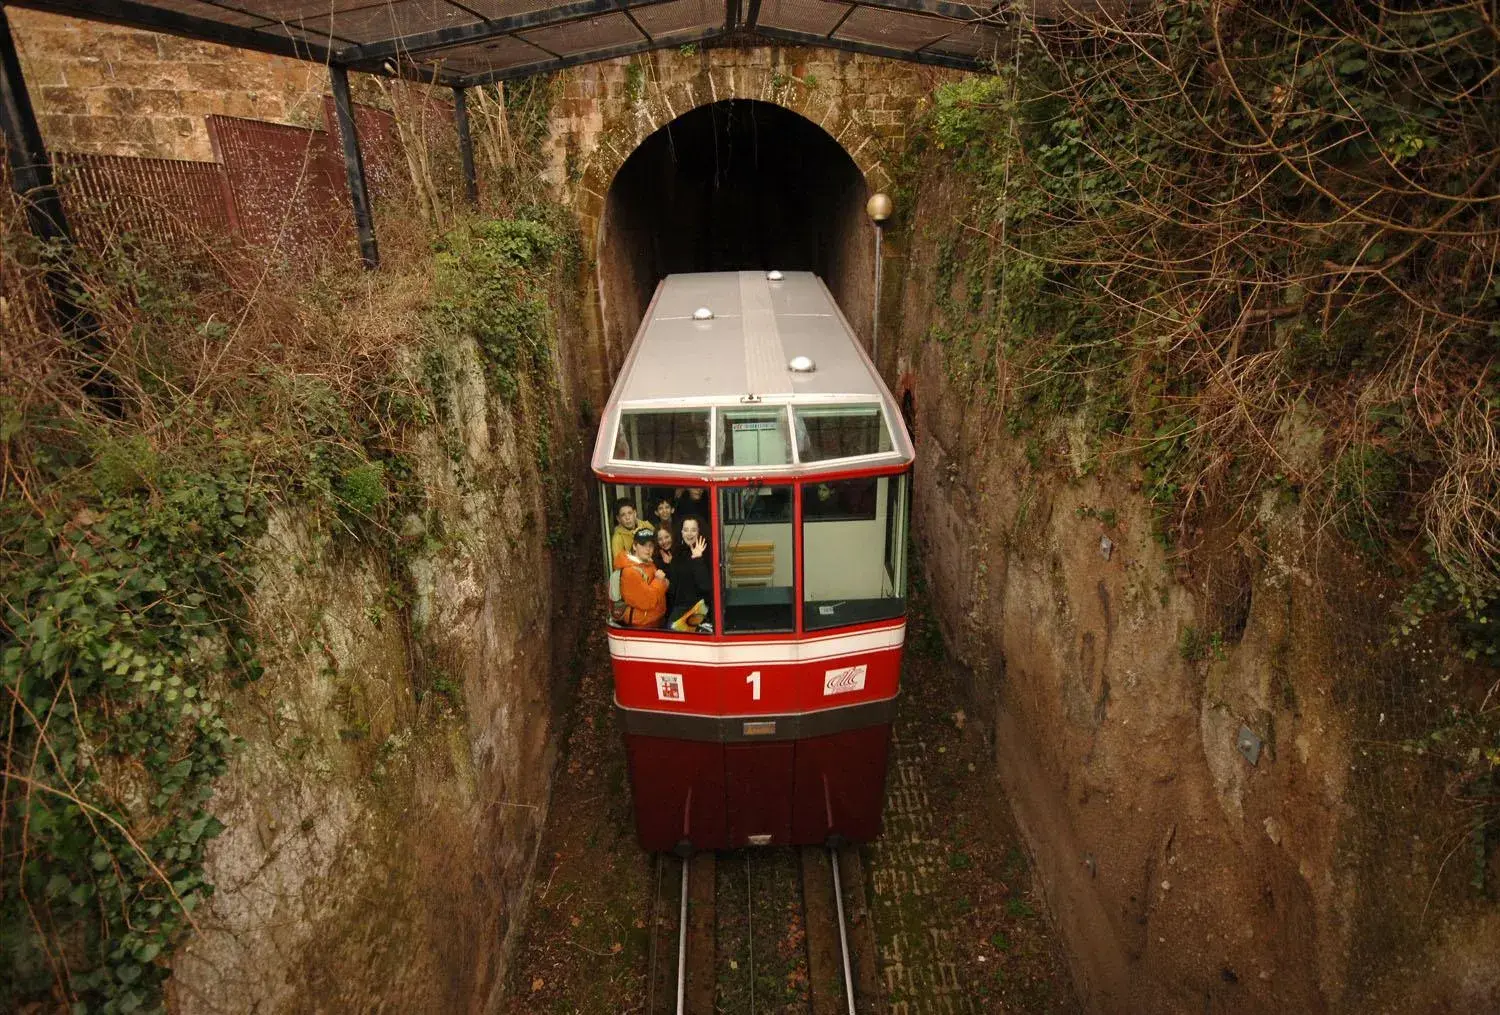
[(816, 16), (503, 51), (893, 28), (577, 37), (496, 9), (971, 41), (380, 145), (387, 173), (286, 184), (296, 10), (662, 21), (389, 20), (168, 200), (211, 11)]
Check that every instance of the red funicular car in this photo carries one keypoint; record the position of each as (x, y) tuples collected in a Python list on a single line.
[(757, 648)]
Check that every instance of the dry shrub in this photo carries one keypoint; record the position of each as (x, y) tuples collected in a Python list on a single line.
[(1257, 245)]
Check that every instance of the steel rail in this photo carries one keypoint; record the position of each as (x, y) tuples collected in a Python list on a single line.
[(838, 901), (750, 928), (682, 941), (651, 951)]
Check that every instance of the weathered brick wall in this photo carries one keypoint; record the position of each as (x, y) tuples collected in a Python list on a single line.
[(109, 90)]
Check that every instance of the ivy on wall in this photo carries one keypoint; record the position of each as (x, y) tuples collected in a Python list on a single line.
[(126, 546), (1247, 253)]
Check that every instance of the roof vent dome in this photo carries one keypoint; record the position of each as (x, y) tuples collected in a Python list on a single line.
[(774, 275), (801, 365), (703, 314)]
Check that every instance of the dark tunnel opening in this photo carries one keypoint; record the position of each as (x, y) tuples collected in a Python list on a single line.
[(734, 185)]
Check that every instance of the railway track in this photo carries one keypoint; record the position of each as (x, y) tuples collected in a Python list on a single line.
[(762, 930)]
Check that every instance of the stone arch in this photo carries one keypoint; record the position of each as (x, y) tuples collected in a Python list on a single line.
[(775, 75), (608, 109)]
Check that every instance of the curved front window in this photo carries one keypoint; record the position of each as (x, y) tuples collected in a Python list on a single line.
[(827, 432), (663, 436)]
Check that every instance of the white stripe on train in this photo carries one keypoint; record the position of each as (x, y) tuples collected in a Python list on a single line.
[(727, 653)]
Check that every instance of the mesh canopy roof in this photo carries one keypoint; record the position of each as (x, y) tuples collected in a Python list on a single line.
[(472, 42)]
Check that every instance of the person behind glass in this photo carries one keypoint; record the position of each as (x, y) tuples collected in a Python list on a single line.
[(643, 586), (688, 574), (664, 510), (691, 502), (627, 523), (691, 571)]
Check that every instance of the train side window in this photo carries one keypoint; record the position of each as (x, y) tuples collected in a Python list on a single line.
[(621, 512), (663, 436), (853, 551), (756, 562), (826, 432)]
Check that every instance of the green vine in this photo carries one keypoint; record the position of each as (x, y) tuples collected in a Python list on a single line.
[(122, 621)]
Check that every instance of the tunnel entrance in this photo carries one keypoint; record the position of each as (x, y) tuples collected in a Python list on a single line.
[(733, 185)]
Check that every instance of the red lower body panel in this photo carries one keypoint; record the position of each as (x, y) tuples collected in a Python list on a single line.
[(678, 790), (724, 796), (840, 782)]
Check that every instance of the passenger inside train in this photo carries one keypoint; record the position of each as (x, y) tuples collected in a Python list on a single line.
[(638, 587), (627, 523)]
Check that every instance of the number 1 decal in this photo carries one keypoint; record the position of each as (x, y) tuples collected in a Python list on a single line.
[(754, 681)]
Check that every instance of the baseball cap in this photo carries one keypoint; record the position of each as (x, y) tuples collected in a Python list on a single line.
[(645, 534)]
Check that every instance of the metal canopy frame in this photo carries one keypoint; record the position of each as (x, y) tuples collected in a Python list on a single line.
[(421, 35), (469, 43)]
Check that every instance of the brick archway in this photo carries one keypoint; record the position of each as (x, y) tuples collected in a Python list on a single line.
[(607, 110), (664, 85)]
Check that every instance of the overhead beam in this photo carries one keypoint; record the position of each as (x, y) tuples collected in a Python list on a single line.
[(157, 19), (354, 166), (459, 35), (870, 49), (941, 8), (591, 56)]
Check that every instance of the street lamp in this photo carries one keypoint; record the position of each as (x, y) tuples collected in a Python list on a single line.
[(879, 210)]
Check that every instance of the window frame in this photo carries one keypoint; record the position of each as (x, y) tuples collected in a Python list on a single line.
[(898, 456), (721, 576), (847, 461), (641, 463), (901, 579), (847, 469)]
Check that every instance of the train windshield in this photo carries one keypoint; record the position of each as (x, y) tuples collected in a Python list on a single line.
[(664, 437), (854, 551), (840, 431), (752, 437)]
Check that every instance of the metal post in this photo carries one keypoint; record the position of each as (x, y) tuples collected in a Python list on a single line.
[(465, 144), (875, 324), (354, 166), (30, 168), (879, 208), (31, 178)]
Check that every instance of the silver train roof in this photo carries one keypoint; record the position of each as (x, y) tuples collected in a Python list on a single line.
[(741, 355)]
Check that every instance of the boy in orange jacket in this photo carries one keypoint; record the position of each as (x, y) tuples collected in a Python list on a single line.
[(643, 587)]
